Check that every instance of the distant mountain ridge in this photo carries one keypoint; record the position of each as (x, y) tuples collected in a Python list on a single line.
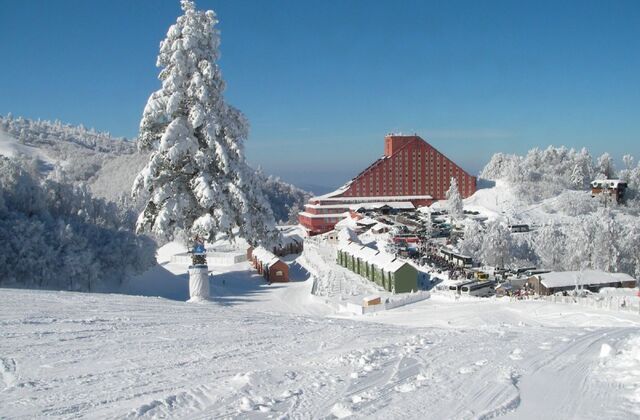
[(108, 165)]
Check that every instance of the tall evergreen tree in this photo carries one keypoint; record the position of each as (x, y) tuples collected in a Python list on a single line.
[(196, 180)]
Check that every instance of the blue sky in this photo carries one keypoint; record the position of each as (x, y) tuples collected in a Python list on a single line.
[(322, 82)]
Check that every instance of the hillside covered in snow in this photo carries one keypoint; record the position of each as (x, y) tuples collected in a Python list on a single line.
[(243, 355), (108, 165), (547, 193)]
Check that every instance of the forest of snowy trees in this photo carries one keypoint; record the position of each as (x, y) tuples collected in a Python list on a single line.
[(108, 165), (80, 212), (57, 236), (545, 173), (286, 200), (582, 232), (79, 152), (604, 240)]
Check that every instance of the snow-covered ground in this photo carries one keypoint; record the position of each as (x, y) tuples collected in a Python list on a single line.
[(274, 351)]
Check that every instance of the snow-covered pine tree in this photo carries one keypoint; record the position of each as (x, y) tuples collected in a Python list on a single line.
[(196, 179), (454, 201)]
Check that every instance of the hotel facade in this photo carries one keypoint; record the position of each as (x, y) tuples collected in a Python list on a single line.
[(411, 170)]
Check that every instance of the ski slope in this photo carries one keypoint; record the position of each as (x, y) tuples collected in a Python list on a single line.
[(250, 355)]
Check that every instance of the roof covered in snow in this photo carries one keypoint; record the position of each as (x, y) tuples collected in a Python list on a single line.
[(380, 226), (387, 262), (264, 256), (367, 221), (347, 222), (586, 277), (408, 205), (292, 234), (607, 183)]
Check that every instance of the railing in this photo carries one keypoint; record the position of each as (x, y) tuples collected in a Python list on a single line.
[(608, 302)]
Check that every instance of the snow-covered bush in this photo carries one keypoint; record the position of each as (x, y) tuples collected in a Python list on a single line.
[(56, 236)]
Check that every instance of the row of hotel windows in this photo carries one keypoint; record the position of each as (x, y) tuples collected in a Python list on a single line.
[(369, 183)]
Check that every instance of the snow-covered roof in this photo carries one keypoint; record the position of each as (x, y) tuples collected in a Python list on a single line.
[(387, 262), (292, 235), (607, 183), (393, 204), (265, 256), (347, 222), (571, 278), (380, 226), (394, 265), (347, 234), (367, 221), (339, 191)]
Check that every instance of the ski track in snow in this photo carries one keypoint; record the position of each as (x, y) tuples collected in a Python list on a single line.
[(71, 355)]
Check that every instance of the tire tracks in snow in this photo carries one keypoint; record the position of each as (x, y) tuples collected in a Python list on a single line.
[(557, 381)]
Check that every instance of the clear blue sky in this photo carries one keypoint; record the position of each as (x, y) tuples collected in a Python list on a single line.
[(322, 82)]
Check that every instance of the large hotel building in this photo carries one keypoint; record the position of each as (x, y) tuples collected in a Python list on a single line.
[(411, 170)]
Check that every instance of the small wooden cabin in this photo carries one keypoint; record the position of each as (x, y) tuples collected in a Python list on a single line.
[(272, 268), (613, 187)]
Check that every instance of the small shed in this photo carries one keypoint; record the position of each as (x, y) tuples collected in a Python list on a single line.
[(272, 268), (371, 300)]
